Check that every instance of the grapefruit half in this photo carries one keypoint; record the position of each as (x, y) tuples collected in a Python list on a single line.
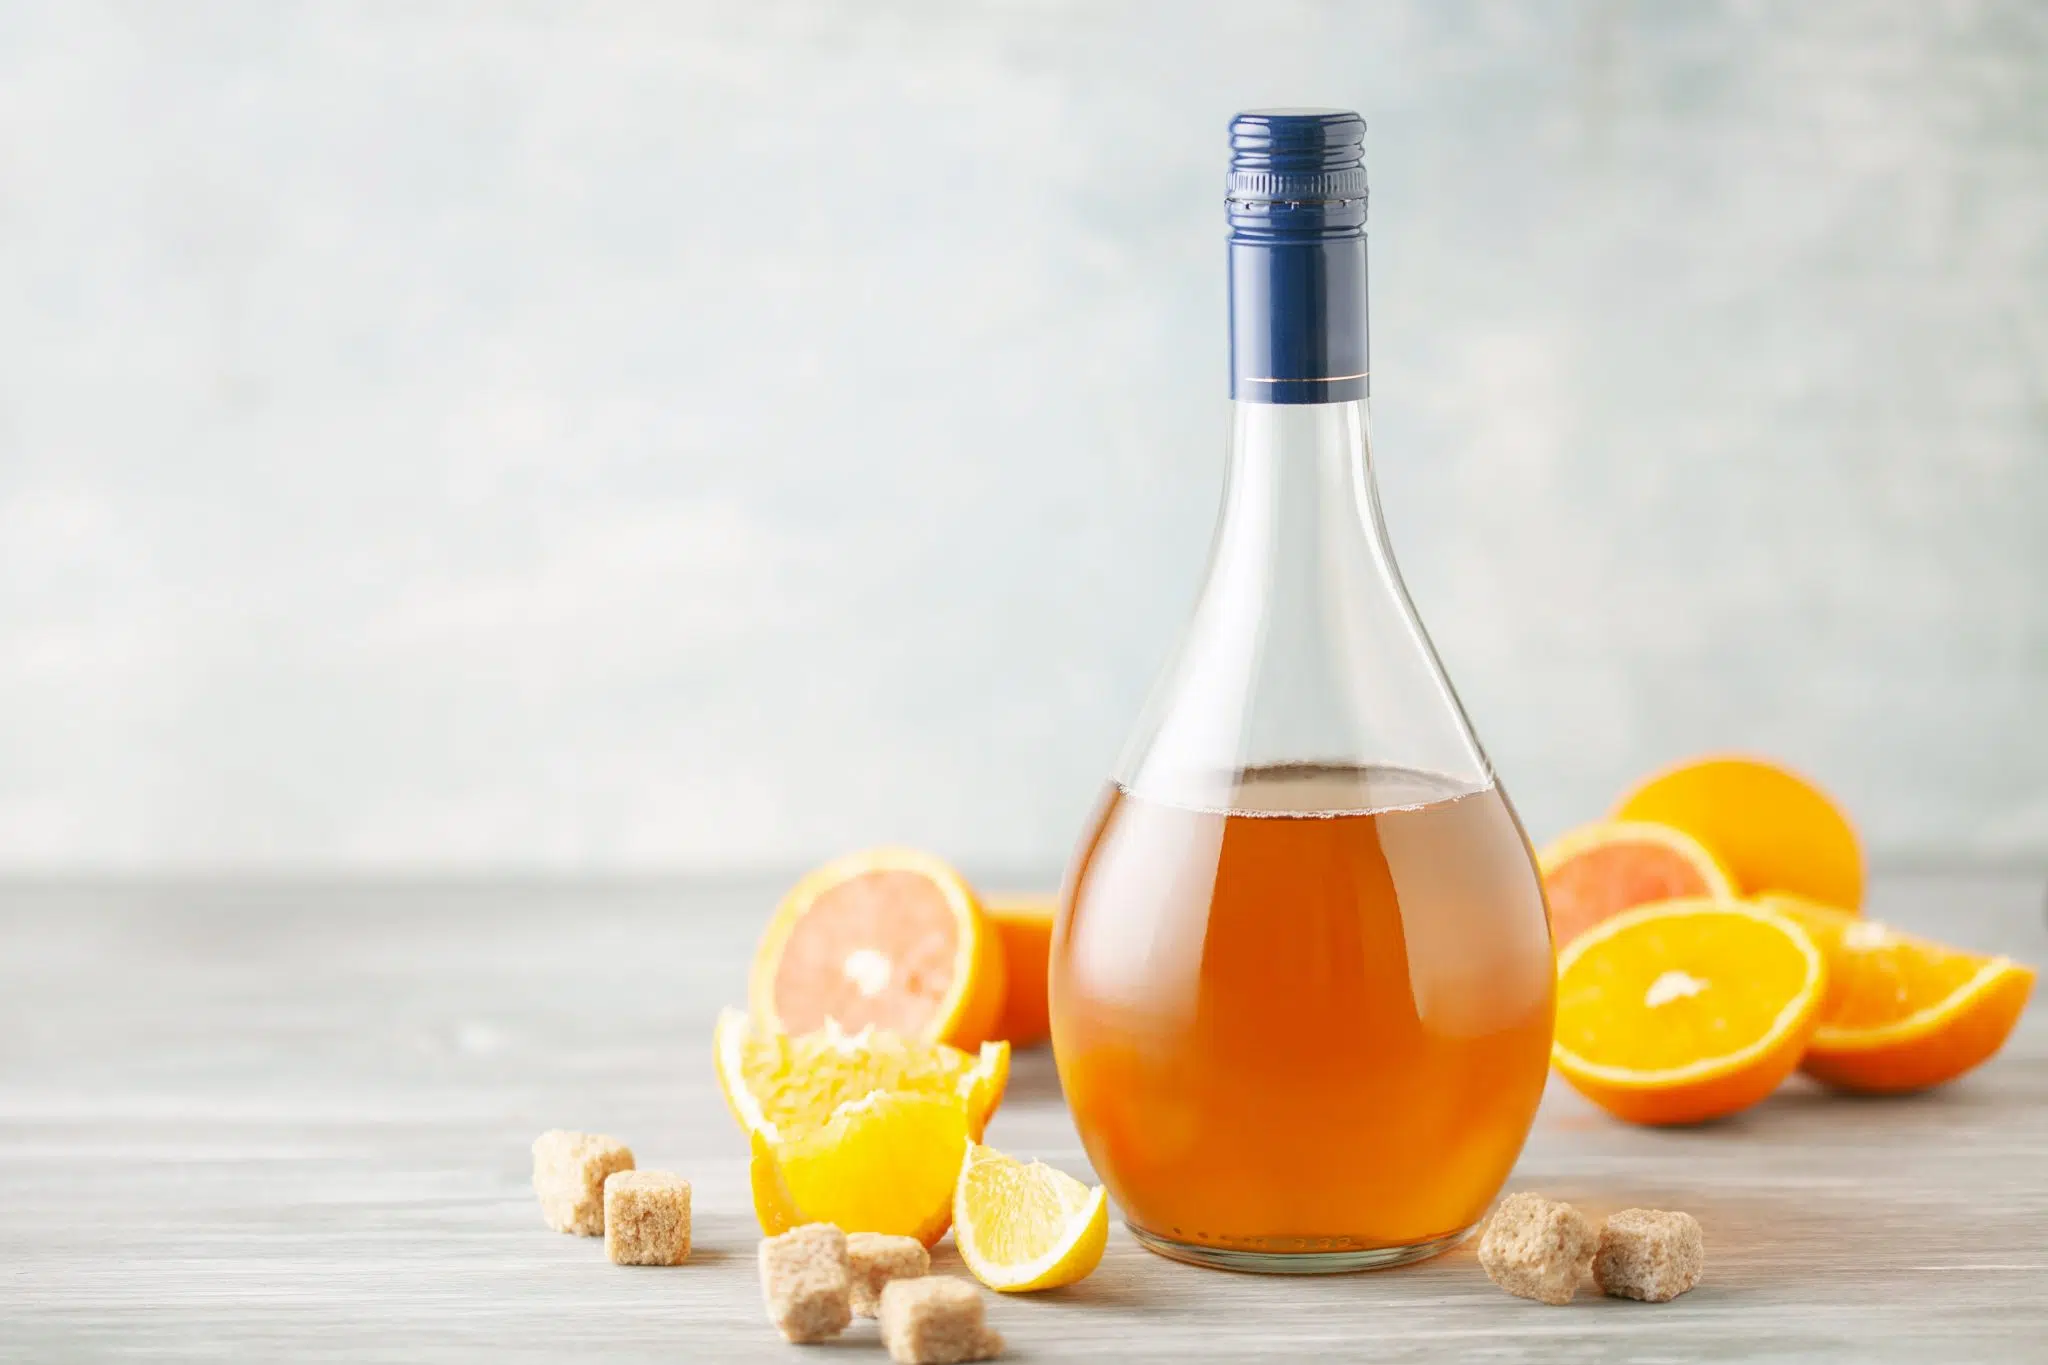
[(889, 938), (1599, 870)]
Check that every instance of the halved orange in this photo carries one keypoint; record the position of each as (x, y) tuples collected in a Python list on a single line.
[(1773, 829), (783, 1084), (892, 938), (887, 1162), (1024, 923), (1604, 868), (1903, 1013), (1685, 1010)]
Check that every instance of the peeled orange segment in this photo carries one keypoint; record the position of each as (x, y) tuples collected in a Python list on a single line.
[(1773, 829), (1903, 1013), (1685, 1010), (884, 1163), (782, 1085), (891, 938), (1024, 924), (1602, 869), (1023, 1227)]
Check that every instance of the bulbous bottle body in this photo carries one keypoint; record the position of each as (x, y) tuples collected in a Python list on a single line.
[(1302, 982), (1308, 1031)]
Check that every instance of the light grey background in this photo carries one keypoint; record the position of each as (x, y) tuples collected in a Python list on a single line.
[(610, 436)]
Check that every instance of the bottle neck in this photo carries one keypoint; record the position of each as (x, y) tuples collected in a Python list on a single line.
[(1303, 647), (1301, 518), (1303, 651), (1298, 316)]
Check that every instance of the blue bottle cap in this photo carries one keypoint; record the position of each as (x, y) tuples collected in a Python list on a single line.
[(1296, 208), (1297, 170)]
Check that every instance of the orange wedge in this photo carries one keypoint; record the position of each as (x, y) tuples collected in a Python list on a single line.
[(1773, 829), (885, 1163), (1685, 1010), (891, 938), (1903, 1013), (1602, 869), (1023, 1227), (1024, 924), (783, 1084)]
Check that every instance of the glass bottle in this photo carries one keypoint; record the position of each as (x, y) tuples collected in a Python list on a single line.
[(1302, 980)]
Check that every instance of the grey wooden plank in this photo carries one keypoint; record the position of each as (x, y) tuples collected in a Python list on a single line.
[(259, 1121)]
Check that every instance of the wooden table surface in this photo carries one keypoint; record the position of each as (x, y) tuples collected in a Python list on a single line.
[(292, 1122)]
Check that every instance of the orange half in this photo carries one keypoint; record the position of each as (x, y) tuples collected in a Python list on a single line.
[(1024, 923), (891, 939), (1772, 828), (1687, 1010), (1599, 870), (1904, 1013)]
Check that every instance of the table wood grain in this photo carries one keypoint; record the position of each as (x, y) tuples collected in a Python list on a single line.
[(292, 1122)]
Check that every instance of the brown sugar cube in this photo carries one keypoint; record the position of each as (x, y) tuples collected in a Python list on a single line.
[(807, 1283), (877, 1259), (1649, 1254), (646, 1218), (1538, 1248), (569, 1170), (935, 1320)]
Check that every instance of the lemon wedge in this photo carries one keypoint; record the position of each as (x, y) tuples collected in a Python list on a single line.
[(1021, 1227)]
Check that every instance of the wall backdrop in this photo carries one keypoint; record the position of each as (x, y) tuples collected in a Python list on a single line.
[(610, 436)]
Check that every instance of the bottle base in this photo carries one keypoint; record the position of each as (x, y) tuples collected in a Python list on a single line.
[(1308, 1261)]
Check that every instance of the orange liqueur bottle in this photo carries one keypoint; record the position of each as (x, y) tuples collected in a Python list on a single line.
[(1302, 979)]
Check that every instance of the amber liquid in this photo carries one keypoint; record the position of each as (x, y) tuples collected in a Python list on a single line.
[(1316, 1026)]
